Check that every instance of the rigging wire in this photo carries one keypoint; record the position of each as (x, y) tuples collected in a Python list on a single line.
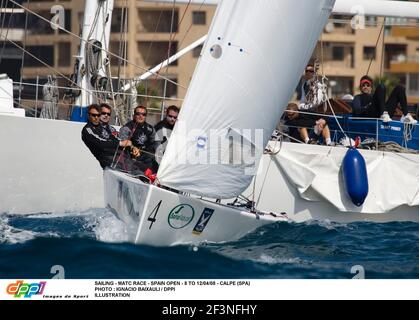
[(23, 54), (126, 41), (154, 36), (190, 26), (266, 175), (122, 41), (172, 34), (110, 53), (168, 55), (42, 62), (3, 13), (383, 53), (107, 92), (122, 51), (109, 75), (376, 45), (8, 26), (326, 99), (150, 47)]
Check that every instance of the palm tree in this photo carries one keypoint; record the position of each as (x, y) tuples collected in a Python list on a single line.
[(389, 81)]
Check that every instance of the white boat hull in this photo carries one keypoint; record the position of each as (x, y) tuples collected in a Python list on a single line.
[(45, 167), (158, 217), (278, 193)]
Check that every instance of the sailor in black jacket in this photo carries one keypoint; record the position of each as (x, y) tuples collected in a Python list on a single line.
[(102, 145), (143, 137), (105, 118)]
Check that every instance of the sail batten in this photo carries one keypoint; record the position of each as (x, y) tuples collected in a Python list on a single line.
[(248, 71)]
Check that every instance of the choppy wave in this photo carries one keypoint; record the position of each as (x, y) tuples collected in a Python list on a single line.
[(93, 244)]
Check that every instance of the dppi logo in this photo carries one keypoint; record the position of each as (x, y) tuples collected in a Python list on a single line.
[(27, 290)]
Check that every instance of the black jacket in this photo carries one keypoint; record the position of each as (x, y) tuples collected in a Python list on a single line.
[(108, 131), (363, 104), (141, 135), (102, 145)]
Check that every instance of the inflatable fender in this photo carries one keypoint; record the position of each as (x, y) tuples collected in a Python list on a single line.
[(355, 176)]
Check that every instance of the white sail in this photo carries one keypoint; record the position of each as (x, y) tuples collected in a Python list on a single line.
[(248, 71)]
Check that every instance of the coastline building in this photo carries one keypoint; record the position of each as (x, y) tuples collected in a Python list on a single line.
[(346, 53), (146, 35), (349, 53)]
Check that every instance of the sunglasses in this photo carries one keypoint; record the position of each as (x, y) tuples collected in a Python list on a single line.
[(366, 85), (173, 117), (140, 114), (106, 114), (310, 71), (94, 115)]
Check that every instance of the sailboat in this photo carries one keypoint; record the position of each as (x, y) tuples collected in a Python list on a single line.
[(218, 148), (224, 126)]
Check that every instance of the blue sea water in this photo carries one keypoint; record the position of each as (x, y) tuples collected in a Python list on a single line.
[(92, 244)]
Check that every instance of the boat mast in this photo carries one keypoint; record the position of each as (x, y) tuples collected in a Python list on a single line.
[(92, 60)]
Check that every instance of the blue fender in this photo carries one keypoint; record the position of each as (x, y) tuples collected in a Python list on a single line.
[(355, 176)]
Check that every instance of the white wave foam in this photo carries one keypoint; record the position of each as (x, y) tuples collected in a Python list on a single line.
[(267, 259), (67, 214), (107, 227), (327, 224), (11, 235), (103, 223)]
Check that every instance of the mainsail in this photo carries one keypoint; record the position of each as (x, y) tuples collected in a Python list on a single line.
[(249, 68)]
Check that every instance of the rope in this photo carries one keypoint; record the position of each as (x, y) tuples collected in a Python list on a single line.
[(407, 133), (113, 166), (395, 148), (336, 119), (266, 175), (93, 60), (325, 97), (50, 100), (289, 137)]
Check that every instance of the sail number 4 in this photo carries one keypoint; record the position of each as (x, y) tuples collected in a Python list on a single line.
[(153, 215)]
